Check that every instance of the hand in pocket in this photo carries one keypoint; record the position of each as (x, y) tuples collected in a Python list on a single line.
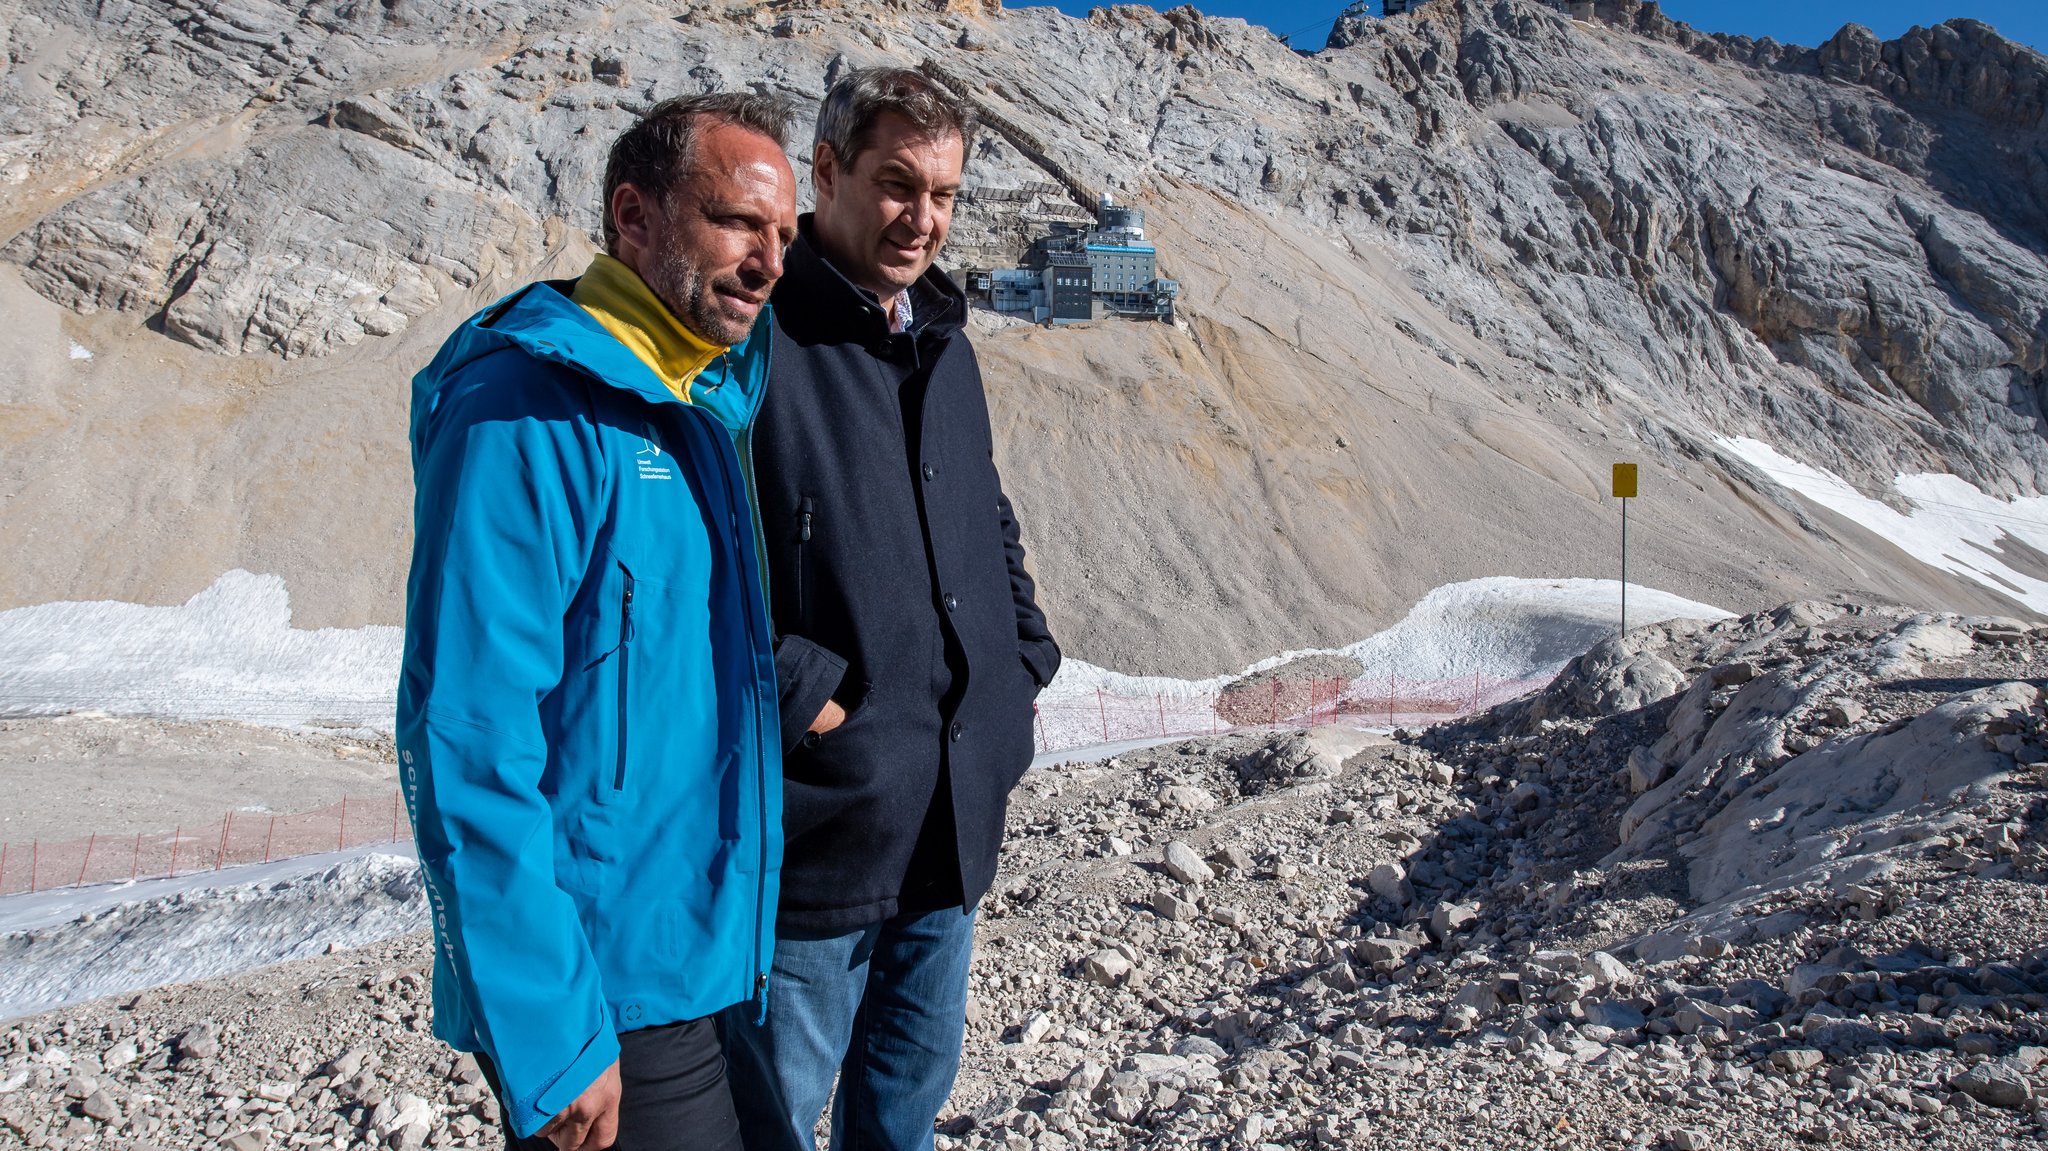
[(830, 717)]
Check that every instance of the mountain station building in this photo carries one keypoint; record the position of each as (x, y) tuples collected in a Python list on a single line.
[(1083, 272)]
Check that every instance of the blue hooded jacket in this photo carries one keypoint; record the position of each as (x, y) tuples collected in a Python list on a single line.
[(587, 714)]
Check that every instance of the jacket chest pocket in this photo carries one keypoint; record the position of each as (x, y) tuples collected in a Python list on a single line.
[(670, 640), (615, 773)]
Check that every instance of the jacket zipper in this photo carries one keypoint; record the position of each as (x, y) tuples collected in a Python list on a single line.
[(760, 776), (760, 771), (803, 584), (740, 493), (625, 676)]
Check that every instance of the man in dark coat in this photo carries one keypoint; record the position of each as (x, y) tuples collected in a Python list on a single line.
[(909, 644)]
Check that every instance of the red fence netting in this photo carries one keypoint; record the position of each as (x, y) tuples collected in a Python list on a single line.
[(1108, 717), (236, 838), (244, 837)]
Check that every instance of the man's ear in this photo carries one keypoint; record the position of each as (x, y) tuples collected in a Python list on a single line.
[(632, 216), (824, 172)]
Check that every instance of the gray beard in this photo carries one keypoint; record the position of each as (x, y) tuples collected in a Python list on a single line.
[(688, 295)]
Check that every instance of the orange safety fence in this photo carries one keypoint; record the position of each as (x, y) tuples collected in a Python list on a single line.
[(245, 837), (236, 838)]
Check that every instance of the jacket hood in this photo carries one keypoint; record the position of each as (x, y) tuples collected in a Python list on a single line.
[(835, 310), (541, 321)]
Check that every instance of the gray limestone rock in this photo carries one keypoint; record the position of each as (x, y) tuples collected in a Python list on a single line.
[(1995, 1083), (1288, 760), (1107, 967), (1185, 864), (197, 1042)]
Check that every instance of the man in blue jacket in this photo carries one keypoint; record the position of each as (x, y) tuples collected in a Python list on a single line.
[(910, 643), (587, 715)]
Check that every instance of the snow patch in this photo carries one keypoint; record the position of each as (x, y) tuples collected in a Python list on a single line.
[(229, 652), (1497, 628), (1507, 628), (80, 351), (1953, 526), (1502, 627), (204, 932)]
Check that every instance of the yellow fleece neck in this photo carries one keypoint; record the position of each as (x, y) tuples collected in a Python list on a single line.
[(616, 297)]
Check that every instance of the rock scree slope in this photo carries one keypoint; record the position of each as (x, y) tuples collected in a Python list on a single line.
[(1508, 931)]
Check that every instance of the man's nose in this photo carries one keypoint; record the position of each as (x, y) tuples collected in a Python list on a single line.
[(921, 213), (766, 260)]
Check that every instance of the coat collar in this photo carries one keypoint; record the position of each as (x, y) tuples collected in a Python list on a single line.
[(543, 322), (619, 300), (817, 304)]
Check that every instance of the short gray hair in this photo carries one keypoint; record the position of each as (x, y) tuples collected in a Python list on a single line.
[(847, 118), (656, 152)]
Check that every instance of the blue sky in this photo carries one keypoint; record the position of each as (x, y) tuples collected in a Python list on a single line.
[(1807, 22)]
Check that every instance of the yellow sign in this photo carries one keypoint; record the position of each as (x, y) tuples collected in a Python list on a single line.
[(1624, 481)]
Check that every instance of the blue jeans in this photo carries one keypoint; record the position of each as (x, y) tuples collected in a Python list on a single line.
[(885, 1007)]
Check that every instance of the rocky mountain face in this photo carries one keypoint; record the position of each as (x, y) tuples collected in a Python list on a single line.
[(1841, 248), (1436, 277)]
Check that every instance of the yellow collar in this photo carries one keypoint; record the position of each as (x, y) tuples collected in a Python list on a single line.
[(616, 297)]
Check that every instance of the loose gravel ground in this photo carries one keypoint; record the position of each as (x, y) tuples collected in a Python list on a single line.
[(1557, 925)]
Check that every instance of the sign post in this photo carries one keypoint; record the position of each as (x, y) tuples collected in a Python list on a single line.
[(1624, 490)]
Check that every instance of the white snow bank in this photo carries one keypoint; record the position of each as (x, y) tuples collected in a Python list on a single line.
[(1953, 526), (1501, 628), (206, 931), (80, 351), (1507, 628), (229, 652)]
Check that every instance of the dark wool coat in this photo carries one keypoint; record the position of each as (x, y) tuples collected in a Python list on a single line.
[(896, 586)]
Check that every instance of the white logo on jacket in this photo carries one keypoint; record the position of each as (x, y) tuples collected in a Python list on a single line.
[(649, 457)]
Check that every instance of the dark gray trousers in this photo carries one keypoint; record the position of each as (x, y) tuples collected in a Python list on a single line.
[(673, 1094)]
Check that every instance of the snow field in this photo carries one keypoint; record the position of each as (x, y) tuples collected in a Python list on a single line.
[(127, 938), (229, 652), (1475, 638), (1952, 526)]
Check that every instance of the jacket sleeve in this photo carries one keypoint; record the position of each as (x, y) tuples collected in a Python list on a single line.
[(807, 675), (1035, 645), (509, 477)]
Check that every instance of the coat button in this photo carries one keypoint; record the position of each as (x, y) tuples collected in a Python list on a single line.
[(930, 471), (952, 603), (958, 731), (810, 739)]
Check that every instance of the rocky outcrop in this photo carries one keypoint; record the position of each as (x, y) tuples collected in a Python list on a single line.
[(1849, 258), (1689, 232)]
